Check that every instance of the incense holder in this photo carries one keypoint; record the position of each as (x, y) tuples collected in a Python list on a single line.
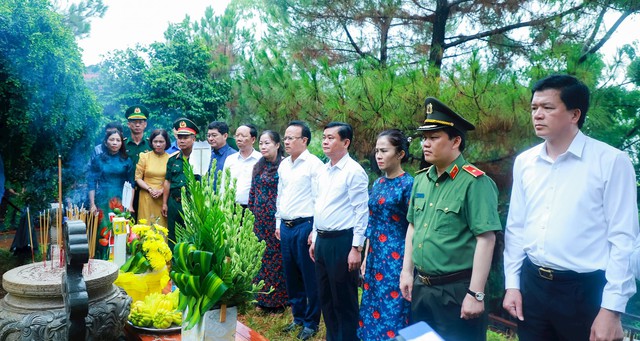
[(33, 308)]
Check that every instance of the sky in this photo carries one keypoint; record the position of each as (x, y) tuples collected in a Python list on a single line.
[(128, 22)]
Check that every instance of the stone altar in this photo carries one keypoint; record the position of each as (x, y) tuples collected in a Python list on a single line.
[(33, 308)]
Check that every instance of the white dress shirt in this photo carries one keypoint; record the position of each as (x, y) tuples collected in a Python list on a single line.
[(635, 259), (297, 185), (578, 213), (242, 169), (343, 198)]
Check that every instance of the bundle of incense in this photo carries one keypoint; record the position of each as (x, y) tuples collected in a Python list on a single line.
[(92, 230), (33, 258), (59, 215), (44, 234)]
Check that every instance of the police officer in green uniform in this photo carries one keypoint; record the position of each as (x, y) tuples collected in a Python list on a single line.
[(449, 243), (175, 179)]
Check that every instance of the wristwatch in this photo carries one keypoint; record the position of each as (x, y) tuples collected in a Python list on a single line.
[(359, 248), (479, 296)]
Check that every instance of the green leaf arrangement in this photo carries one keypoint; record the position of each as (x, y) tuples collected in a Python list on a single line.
[(217, 254)]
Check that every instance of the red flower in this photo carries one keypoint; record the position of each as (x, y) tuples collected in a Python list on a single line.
[(382, 238), (376, 315), (391, 334), (381, 201), (395, 217), (394, 294), (361, 324), (366, 286), (395, 255), (382, 180), (379, 276), (103, 232), (103, 242), (115, 203)]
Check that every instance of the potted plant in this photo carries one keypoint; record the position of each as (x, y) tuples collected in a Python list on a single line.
[(216, 256)]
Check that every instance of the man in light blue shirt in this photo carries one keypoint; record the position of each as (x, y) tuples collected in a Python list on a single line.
[(217, 135)]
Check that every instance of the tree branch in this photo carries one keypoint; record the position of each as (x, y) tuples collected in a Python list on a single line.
[(596, 27), (606, 37), (512, 27), (354, 44)]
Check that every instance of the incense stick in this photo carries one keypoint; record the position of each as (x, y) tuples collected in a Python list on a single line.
[(33, 258)]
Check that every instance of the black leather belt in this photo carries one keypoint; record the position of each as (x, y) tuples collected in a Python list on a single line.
[(444, 279), (332, 234), (297, 221), (557, 275)]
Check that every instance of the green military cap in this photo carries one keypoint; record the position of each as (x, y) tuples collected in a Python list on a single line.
[(440, 116), (184, 126), (137, 112)]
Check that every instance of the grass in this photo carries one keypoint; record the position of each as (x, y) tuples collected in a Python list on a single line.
[(269, 325)]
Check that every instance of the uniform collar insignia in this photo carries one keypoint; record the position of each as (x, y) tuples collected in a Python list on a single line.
[(453, 172)]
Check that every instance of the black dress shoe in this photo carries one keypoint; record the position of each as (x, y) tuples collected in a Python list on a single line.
[(290, 327), (306, 333)]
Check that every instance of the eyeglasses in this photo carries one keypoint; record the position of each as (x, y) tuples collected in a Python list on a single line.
[(291, 138)]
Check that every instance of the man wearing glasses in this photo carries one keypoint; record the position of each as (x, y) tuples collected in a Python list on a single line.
[(241, 164), (297, 185)]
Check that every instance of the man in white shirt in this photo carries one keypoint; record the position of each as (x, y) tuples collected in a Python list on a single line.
[(635, 259), (297, 184), (572, 221), (241, 163), (340, 220)]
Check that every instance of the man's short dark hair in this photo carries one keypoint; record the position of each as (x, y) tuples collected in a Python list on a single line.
[(306, 132), (573, 93), (452, 133), (220, 126), (344, 130), (253, 131), (113, 125)]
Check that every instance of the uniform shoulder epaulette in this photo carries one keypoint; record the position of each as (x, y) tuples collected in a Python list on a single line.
[(423, 170), (473, 170), (174, 153)]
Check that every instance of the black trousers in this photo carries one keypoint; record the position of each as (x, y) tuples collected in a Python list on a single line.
[(174, 208), (560, 309), (440, 305), (300, 274), (337, 286)]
